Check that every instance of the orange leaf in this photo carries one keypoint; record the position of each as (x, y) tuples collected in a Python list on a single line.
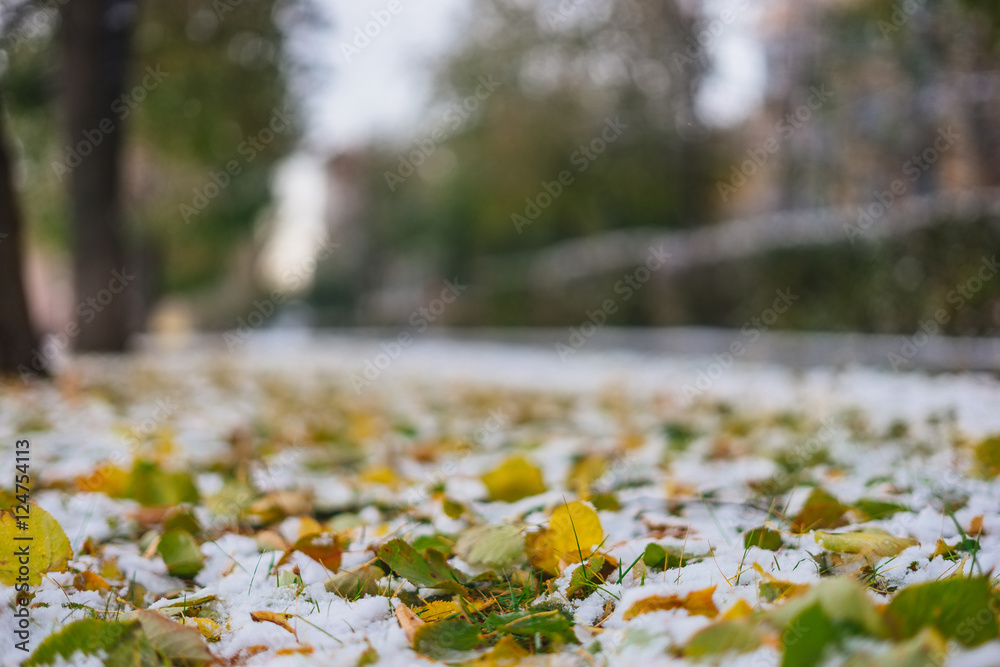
[(696, 603), (280, 620)]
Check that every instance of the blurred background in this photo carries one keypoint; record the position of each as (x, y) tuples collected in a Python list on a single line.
[(234, 165)]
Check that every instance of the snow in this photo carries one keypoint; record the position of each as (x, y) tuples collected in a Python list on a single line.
[(549, 411)]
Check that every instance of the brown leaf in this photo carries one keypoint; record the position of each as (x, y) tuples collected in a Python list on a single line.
[(281, 620), (408, 621)]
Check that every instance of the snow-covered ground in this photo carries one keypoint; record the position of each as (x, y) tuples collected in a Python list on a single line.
[(284, 436)]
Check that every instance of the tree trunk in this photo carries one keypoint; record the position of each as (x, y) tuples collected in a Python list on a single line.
[(18, 341), (95, 36)]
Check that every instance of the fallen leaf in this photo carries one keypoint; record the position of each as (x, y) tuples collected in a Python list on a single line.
[(552, 625), (870, 543), (172, 640), (180, 553), (324, 548), (88, 581), (696, 603), (728, 636), (428, 572), (959, 608), (763, 538), (49, 547), (496, 546), (541, 555), (505, 653), (408, 621), (574, 531), (281, 620), (516, 478), (448, 641), (987, 453), (356, 583), (821, 511)]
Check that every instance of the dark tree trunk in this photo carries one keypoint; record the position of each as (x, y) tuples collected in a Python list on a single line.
[(18, 341), (95, 37)]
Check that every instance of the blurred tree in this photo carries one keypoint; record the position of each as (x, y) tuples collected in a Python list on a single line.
[(18, 341), (600, 93), (203, 88), (94, 38)]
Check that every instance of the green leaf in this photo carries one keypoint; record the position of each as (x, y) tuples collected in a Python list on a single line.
[(152, 486), (878, 509), (821, 511), (446, 640), (959, 608), (763, 538), (429, 572), (438, 542), (843, 601), (355, 583), (736, 636), (806, 637), (870, 541), (181, 554), (586, 577), (666, 557), (491, 546), (89, 636), (554, 625), (177, 643)]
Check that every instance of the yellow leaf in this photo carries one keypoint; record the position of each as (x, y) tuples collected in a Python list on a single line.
[(309, 526), (584, 473), (575, 530), (108, 479), (516, 478), (696, 603), (281, 620), (48, 548), (870, 542), (740, 609), (208, 628), (541, 555), (381, 475), (437, 611), (505, 653)]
